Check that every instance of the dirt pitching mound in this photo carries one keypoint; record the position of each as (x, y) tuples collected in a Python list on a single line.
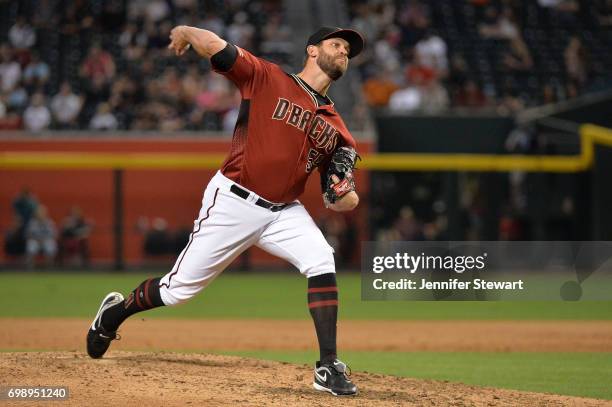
[(170, 379), (210, 335)]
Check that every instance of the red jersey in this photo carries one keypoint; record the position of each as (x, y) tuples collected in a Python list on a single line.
[(282, 133)]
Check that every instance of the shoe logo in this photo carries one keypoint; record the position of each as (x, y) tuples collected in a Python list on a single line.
[(129, 301), (323, 377)]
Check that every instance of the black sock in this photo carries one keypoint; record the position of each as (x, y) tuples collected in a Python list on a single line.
[(323, 305), (144, 297)]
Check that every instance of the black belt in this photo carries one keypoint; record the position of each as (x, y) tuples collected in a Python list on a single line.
[(244, 194)]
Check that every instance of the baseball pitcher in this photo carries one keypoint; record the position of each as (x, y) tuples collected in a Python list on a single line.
[(286, 129)]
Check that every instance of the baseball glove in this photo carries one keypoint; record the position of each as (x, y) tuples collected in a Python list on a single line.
[(342, 164)]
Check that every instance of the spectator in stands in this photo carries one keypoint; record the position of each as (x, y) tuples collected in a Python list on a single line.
[(76, 23), (499, 26), (99, 64), (379, 88), (36, 73), (170, 85), (40, 237), (421, 84), (2, 108), (190, 84), (132, 42), (76, 19), (549, 94), (74, 237), (365, 20), (341, 234), (434, 97), (277, 43), (21, 35), (146, 117), (408, 226), (511, 100), (572, 89), (10, 70), (96, 92), (212, 22), (157, 36), (14, 239), (37, 116), (169, 119), (517, 57), (136, 10), (510, 228), (241, 32), (406, 99), (414, 14), (156, 10), (18, 98), (386, 49), (458, 75), (186, 7), (123, 100), (44, 15), (417, 72), (104, 119), (230, 117), (214, 94), (25, 205), (437, 229), (431, 52), (576, 62), (66, 107), (471, 95), (521, 140), (414, 20)]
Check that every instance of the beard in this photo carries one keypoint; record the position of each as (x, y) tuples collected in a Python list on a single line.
[(330, 65)]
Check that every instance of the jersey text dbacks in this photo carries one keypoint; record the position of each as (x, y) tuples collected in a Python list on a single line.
[(281, 134)]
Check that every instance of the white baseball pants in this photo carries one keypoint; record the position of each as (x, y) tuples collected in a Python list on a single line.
[(227, 225)]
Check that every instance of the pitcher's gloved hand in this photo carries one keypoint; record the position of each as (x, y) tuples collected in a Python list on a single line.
[(339, 179)]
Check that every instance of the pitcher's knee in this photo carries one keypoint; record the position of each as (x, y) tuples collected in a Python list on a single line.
[(321, 264), (178, 295)]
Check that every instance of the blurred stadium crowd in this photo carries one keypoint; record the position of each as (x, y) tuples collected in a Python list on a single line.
[(103, 65), (34, 233), (427, 56)]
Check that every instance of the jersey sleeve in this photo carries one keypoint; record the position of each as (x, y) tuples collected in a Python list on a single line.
[(245, 71)]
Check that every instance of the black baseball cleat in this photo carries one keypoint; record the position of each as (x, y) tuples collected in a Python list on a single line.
[(334, 378), (98, 338)]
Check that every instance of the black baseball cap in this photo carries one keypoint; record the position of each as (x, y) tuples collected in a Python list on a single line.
[(354, 39)]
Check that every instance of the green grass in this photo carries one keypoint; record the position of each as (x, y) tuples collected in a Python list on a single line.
[(276, 296), (283, 296), (575, 374)]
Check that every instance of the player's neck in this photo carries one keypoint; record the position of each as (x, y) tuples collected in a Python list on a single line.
[(316, 79)]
